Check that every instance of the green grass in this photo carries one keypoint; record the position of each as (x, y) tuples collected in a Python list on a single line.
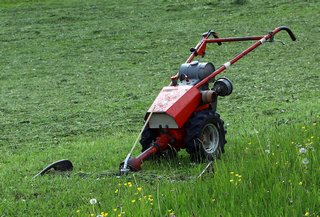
[(76, 78)]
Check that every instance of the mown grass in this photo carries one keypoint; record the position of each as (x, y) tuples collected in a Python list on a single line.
[(76, 78)]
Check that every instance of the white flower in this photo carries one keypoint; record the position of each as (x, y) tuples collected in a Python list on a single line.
[(93, 201), (302, 150), (267, 151), (305, 161)]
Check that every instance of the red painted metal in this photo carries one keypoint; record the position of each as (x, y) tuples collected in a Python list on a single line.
[(180, 102), (261, 39), (162, 143), (233, 39), (178, 135)]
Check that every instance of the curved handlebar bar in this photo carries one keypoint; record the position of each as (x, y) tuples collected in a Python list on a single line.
[(287, 29)]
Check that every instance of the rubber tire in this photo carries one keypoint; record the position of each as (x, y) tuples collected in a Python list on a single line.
[(147, 137), (195, 127)]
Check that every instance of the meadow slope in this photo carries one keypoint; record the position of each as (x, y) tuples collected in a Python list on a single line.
[(76, 78)]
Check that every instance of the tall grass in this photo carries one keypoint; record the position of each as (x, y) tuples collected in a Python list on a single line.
[(76, 78)]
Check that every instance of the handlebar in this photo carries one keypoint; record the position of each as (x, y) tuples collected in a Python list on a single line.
[(287, 29)]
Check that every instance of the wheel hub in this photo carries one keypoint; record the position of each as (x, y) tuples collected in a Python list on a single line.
[(210, 138)]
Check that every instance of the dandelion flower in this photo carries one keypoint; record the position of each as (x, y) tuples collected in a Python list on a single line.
[(115, 210), (139, 189), (300, 183), (231, 173), (302, 150), (104, 214), (93, 201), (305, 161), (307, 214), (133, 201)]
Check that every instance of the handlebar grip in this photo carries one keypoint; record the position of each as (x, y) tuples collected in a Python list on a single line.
[(288, 30)]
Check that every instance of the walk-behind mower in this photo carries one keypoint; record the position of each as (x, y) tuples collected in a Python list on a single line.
[(184, 115)]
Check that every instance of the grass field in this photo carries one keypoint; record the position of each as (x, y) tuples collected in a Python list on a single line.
[(76, 78)]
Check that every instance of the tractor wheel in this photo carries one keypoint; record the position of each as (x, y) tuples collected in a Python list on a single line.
[(147, 137), (205, 136)]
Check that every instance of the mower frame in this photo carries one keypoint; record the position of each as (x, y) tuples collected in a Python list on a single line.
[(187, 100)]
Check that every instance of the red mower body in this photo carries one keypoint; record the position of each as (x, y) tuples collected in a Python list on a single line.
[(184, 113), (173, 106)]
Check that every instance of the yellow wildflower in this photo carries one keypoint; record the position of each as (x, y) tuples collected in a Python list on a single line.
[(139, 188), (307, 214), (231, 173), (116, 191), (300, 183), (133, 201), (104, 214)]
